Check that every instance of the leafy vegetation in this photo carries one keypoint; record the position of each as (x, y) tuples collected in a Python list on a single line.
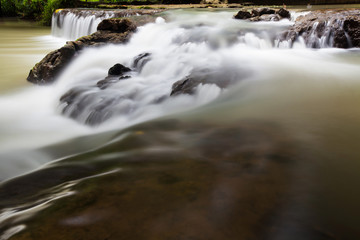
[(40, 10)]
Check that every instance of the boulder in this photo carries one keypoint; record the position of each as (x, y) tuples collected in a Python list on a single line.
[(116, 25), (282, 12), (243, 14), (49, 67), (118, 69)]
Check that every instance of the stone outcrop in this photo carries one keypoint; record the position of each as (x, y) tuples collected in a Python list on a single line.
[(326, 28), (263, 14)]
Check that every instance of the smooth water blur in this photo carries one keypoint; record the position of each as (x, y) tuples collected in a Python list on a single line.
[(272, 156), (21, 45)]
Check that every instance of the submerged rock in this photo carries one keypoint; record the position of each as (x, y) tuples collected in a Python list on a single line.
[(189, 84), (326, 28), (141, 60)]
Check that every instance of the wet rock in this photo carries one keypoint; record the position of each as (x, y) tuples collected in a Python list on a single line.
[(109, 81), (117, 25), (184, 86), (262, 11), (242, 14), (141, 60), (49, 67), (352, 28), (117, 30), (282, 12), (118, 69), (267, 18), (189, 84), (112, 31), (326, 28)]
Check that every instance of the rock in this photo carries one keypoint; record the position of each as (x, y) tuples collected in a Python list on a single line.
[(112, 31), (118, 69), (352, 28), (263, 14), (268, 18), (116, 31), (103, 84), (49, 67), (113, 76), (326, 28), (282, 12), (263, 11), (141, 60), (188, 84), (116, 25), (184, 86), (242, 15)]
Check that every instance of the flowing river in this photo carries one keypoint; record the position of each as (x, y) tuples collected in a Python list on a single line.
[(274, 155)]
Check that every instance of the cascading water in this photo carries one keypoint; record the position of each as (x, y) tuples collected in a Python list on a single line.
[(71, 24), (263, 136)]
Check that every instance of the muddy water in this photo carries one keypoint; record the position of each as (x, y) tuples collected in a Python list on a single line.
[(22, 44)]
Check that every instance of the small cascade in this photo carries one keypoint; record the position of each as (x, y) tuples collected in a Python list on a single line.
[(321, 30), (74, 23)]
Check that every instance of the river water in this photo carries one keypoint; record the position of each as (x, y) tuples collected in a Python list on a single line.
[(272, 156)]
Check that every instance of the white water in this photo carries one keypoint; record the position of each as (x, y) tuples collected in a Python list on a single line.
[(71, 26), (267, 82)]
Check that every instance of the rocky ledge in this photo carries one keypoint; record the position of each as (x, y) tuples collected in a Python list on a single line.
[(115, 30), (326, 28)]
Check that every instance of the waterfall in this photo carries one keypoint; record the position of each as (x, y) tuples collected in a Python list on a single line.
[(74, 23)]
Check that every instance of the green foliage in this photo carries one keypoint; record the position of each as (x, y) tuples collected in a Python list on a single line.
[(30, 8), (51, 6), (34, 9), (8, 8)]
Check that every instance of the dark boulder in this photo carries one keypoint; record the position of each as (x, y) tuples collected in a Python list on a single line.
[(243, 14), (282, 12), (115, 74), (116, 25), (118, 69)]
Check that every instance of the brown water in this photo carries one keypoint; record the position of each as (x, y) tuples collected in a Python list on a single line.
[(22, 44)]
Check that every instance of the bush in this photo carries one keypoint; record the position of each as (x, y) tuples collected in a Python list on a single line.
[(30, 8), (8, 8), (51, 6), (34, 9)]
